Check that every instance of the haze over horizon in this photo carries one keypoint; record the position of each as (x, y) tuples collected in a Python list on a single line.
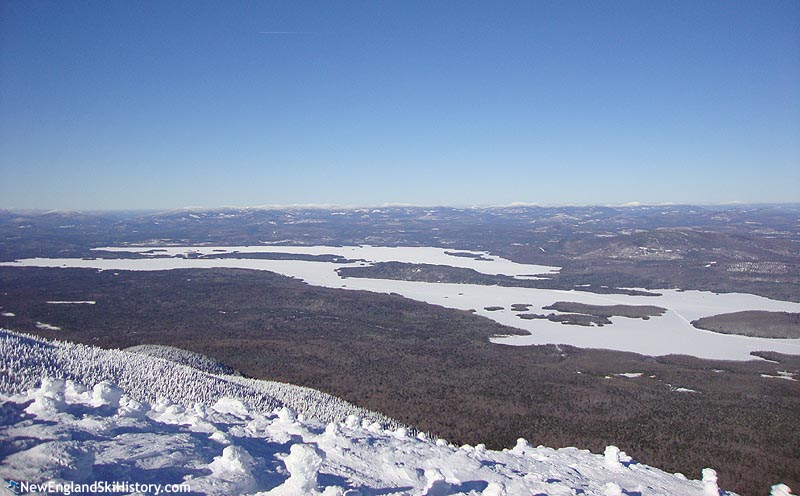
[(160, 106), (339, 206)]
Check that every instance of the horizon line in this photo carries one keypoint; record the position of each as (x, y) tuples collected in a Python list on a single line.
[(342, 206)]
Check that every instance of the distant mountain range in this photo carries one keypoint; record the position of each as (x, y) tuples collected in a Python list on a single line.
[(724, 248)]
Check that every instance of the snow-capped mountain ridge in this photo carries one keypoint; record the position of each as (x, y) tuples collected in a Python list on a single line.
[(65, 418)]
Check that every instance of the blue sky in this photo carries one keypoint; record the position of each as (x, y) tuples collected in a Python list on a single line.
[(107, 105)]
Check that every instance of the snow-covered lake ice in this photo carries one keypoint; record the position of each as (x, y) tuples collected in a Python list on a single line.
[(671, 333)]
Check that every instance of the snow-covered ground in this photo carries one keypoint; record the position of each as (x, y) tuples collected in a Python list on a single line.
[(87, 302), (65, 419), (671, 333)]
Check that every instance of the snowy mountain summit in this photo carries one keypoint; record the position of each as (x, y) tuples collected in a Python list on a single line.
[(73, 416)]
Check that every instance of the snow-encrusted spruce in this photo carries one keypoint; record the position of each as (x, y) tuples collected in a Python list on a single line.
[(25, 359), (184, 357), (710, 487), (780, 490)]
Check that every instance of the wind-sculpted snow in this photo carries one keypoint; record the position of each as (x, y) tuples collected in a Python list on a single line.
[(25, 359), (67, 432), (309, 402)]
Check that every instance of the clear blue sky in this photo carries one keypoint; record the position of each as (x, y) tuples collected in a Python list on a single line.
[(112, 104)]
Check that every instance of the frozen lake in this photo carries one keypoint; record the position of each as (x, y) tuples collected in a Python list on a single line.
[(669, 334)]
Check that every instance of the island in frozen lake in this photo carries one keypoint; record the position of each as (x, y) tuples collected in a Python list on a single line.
[(667, 333)]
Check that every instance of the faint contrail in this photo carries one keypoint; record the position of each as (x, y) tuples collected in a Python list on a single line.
[(285, 32)]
